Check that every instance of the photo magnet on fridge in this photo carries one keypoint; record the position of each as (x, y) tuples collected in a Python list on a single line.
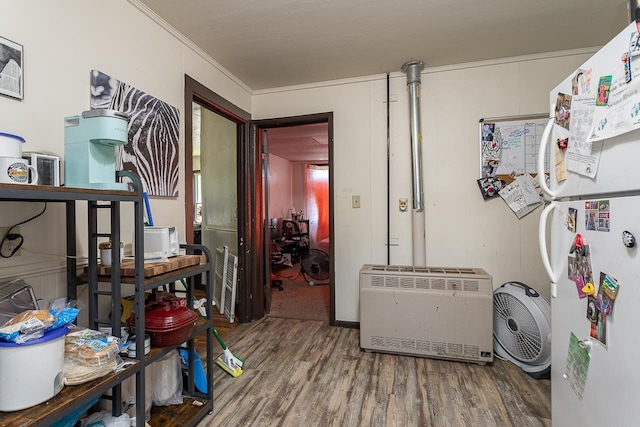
[(592, 310), (571, 218), (598, 329), (572, 268), (607, 293), (563, 110), (604, 86)]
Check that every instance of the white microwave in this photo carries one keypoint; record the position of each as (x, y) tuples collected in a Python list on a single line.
[(48, 167), (160, 243)]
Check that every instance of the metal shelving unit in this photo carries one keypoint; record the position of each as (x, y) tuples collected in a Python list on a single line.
[(72, 398)]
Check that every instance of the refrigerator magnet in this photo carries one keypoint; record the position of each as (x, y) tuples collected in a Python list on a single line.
[(572, 268), (572, 216), (626, 61), (578, 83), (592, 311), (609, 286), (598, 329), (589, 289), (628, 239), (579, 285), (604, 86), (563, 110)]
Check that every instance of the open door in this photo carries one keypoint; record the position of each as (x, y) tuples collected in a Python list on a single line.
[(244, 230), (263, 142), (265, 132)]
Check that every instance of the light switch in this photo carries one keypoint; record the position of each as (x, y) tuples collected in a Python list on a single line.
[(355, 201)]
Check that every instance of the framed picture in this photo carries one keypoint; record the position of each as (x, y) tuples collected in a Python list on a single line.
[(11, 69)]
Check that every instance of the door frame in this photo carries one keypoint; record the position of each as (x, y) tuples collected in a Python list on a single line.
[(266, 124), (249, 304)]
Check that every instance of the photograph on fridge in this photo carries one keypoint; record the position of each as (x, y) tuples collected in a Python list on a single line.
[(570, 219), (604, 87), (572, 267), (597, 215), (607, 293), (592, 310), (563, 110), (599, 328), (580, 82), (579, 281)]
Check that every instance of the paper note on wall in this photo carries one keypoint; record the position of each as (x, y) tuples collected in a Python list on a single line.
[(515, 199)]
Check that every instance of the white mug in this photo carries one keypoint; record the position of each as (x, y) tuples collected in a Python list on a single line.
[(14, 170)]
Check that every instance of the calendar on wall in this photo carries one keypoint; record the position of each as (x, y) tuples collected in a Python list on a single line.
[(509, 145)]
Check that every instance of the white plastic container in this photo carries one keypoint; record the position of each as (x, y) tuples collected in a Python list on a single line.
[(10, 145), (31, 373)]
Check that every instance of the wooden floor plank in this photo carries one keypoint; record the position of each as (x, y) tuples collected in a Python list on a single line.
[(305, 372)]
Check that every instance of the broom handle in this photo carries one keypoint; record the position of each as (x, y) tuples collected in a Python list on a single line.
[(224, 347)]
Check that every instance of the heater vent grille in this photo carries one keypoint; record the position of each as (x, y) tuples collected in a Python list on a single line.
[(454, 285), (439, 284), (471, 286), (427, 311)]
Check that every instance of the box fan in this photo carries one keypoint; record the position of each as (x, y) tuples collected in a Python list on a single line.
[(522, 328)]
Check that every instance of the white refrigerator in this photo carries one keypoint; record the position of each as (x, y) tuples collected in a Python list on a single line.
[(593, 139)]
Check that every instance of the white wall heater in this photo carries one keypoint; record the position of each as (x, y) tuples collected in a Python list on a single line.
[(444, 313)]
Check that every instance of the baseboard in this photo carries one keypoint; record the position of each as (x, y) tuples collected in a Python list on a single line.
[(350, 325)]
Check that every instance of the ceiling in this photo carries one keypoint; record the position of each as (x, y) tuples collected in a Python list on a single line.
[(307, 143), (274, 43)]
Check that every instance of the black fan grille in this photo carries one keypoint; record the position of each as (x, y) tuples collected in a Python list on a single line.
[(316, 265), (515, 328)]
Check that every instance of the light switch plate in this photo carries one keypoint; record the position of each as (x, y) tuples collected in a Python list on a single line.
[(355, 201)]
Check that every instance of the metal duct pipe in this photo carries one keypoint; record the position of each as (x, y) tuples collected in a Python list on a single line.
[(634, 12), (413, 70)]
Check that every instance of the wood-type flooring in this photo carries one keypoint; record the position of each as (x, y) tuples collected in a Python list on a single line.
[(307, 373)]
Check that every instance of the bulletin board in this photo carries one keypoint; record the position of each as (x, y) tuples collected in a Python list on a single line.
[(509, 145)]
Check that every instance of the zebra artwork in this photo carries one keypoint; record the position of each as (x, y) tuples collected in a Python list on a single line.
[(154, 131)]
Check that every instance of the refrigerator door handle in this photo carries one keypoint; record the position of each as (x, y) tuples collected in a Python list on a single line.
[(542, 240), (542, 154)]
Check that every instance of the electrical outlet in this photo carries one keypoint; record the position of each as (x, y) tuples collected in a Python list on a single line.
[(404, 205), (355, 201), (9, 245)]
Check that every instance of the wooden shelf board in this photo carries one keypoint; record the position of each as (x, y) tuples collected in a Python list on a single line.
[(188, 414), (128, 268)]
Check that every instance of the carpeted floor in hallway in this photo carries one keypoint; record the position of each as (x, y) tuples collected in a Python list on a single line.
[(299, 299)]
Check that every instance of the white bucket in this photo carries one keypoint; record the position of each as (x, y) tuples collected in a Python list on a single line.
[(11, 145), (31, 373)]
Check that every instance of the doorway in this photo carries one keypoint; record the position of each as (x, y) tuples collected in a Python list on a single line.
[(236, 223), (298, 216)]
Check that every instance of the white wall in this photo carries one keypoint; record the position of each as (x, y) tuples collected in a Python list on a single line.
[(462, 229), (63, 41), (280, 199), (298, 178)]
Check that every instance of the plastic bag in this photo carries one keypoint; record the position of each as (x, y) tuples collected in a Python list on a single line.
[(26, 323), (105, 419), (32, 324), (128, 395), (166, 374), (88, 355)]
